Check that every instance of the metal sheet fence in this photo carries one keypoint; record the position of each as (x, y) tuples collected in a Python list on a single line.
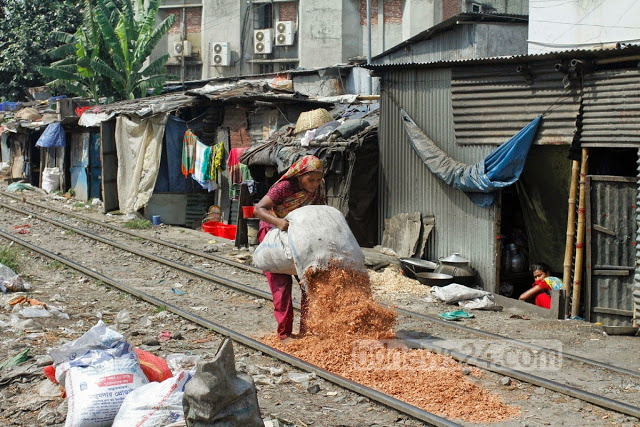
[(405, 183)]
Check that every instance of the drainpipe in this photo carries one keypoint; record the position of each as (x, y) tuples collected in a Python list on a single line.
[(183, 37), (369, 80)]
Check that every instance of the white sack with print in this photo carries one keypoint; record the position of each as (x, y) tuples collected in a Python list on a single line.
[(98, 370), (317, 234), (154, 404)]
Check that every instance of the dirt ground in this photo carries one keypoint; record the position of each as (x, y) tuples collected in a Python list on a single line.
[(28, 398)]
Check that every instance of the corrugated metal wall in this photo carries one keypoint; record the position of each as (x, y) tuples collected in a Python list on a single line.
[(453, 45), (611, 108), (636, 277), (405, 183), (492, 103)]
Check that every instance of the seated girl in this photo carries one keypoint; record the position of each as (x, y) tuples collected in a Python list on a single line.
[(542, 286)]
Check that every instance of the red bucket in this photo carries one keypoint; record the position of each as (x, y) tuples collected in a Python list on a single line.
[(247, 211)]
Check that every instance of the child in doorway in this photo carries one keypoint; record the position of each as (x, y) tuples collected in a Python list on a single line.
[(542, 286)]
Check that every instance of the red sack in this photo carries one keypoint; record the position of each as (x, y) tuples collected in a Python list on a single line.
[(154, 367)]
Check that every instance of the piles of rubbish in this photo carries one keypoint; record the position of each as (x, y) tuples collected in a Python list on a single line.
[(107, 382)]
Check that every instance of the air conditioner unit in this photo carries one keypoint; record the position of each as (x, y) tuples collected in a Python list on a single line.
[(181, 48), (284, 33), (263, 40), (220, 56)]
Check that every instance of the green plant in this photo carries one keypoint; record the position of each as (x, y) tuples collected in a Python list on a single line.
[(160, 309), (108, 56), (138, 224), (9, 258), (78, 205), (55, 264)]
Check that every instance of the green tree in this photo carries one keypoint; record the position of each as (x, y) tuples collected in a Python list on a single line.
[(108, 55), (72, 69), (27, 32)]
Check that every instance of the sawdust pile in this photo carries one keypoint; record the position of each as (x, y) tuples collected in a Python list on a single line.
[(352, 336), (341, 304), (391, 280)]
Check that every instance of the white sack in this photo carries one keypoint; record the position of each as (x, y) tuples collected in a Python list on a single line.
[(455, 292), (273, 254), (154, 404), (477, 303), (97, 370), (5, 168), (317, 234), (51, 179)]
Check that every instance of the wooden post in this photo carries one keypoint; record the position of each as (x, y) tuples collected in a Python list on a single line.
[(575, 300), (571, 227)]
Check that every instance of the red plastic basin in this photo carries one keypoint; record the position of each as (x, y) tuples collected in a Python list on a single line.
[(219, 229)]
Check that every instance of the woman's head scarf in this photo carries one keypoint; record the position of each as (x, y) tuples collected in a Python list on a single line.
[(302, 198), (306, 164)]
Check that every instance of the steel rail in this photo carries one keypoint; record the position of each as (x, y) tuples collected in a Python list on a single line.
[(568, 390), (531, 346), (585, 396), (131, 233), (267, 295), (357, 388), (189, 270)]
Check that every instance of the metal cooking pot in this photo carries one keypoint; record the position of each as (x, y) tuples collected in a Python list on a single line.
[(434, 279), (413, 266), (458, 267)]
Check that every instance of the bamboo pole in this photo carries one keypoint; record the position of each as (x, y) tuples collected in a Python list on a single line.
[(571, 227), (575, 300)]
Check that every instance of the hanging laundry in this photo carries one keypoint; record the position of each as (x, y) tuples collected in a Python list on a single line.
[(201, 166), (233, 165), (217, 160), (188, 151), (245, 175)]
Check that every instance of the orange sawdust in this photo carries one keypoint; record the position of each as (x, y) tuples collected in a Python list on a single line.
[(352, 336)]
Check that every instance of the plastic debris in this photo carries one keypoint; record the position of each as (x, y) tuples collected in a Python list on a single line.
[(164, 336), (455, 315), (15, 360)]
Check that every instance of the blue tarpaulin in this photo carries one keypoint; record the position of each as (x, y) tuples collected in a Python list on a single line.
[(53, 136), (479, 181)]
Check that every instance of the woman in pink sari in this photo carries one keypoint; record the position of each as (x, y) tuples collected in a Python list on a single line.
[(301, 185)]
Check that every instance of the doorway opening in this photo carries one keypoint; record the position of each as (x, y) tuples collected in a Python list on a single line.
[(514, 246)]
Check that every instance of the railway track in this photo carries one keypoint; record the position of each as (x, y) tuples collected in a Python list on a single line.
[(612, 404)]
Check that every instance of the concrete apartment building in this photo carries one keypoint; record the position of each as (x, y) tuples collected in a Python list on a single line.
[(224, 38)]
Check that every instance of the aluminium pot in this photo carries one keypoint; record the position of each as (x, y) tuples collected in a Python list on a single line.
[(413, 266), (434, 279), (458, 267)]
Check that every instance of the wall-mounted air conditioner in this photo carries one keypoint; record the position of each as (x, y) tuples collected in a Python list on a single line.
[(284, 33), (181, 48), (220, 56), (263, 40)]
